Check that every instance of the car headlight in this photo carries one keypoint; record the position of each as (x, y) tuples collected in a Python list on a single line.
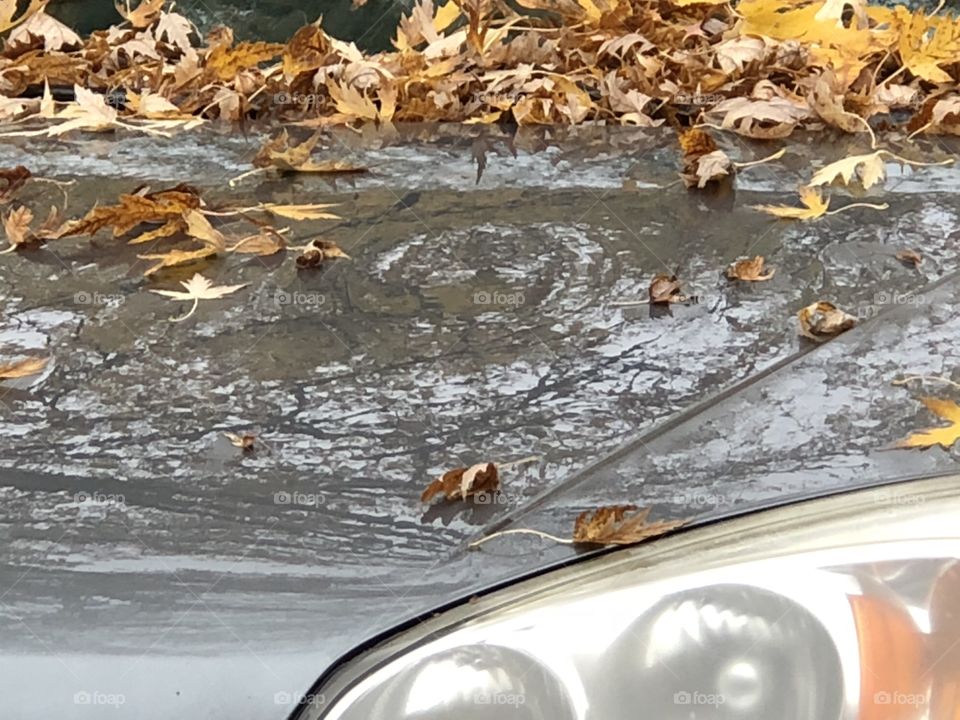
[(844, 607)]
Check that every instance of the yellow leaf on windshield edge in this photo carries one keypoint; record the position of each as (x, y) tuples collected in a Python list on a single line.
[(944, 436), (814, 206)]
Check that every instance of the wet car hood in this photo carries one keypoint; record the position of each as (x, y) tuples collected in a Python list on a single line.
[(151, 568)]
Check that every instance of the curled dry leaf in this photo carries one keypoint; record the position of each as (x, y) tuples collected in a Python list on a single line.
[(317, 251), (944, 436), (245, 441), (618, 525), (823, 320), (16, 225), (198, 288), (266, 242), (14, 178), (461, 483), (665, 289), (22, 368), (814, 206), (278, 153), (909, 257), (750, 269), (703, 162)]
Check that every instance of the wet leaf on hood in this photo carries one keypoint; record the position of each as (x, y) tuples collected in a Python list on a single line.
[(266, 242), (278, 153), (14, 178), (909, 257), (944, 436), (868, 169), (750, 269), (308, 211), (823, 320), (461, 483), (665, 289), (703, 162), (245, 442), (618, 525), (22, 368), (814, 206), (198, 288), (133, 210), (317, 251)]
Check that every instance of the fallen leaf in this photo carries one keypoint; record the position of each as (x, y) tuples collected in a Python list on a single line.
[(665, 289), (703, 163), (750, 269), (173, 258), (143, 15), (245, 441), (279, 154), (461, 483), (909, 257), (198, 288), (814, 206), (266, 242), (22, 368), (319, 250), (14, 178), (16, 225), (618, 525), (868, 169), (823, 320), (310, 211), (944, 436)]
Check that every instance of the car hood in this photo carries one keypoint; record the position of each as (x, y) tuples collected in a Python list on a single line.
[(151, 568)]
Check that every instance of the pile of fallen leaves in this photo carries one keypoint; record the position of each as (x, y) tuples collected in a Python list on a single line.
[(757, 67)]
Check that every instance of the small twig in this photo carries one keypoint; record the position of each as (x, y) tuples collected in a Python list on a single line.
[(521, 461), (629, 303), (520, 531), (256, 171), (925, 378)]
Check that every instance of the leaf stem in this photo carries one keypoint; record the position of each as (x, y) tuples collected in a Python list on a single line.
[(925, 378), (520, 531), (882, 206), (521, 461), (196, 301), (776, 156)]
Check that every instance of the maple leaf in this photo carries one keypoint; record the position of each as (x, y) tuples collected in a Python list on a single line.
[(461, 483), (90, 112), (618, 525), (22, 368), (319, 250), (815, 206), (944, 436), (750, 269), (16, 225), (55, 35), (143, 15), (173, 258), (198, 288), (764, 119), (278, 153), (823, 320), (665, 289), (869, 169), (926, 42)]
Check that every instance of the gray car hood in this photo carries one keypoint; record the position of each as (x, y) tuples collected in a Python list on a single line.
[(151, 570)]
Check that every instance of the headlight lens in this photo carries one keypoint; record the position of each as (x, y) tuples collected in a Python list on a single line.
[(847, 607)]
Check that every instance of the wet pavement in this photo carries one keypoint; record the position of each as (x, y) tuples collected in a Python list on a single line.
[(476, 320)]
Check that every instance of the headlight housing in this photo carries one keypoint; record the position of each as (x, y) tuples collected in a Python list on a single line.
[(844, 607)]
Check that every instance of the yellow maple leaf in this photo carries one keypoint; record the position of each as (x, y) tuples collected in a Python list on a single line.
[(814, 203), (945, 436), (870, 170), (928, 42)]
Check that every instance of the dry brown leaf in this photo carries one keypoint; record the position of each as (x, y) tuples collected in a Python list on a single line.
[(173, 258), (245, 442), (703, 163), (461, 483), (133, 210), (16, 225), (310, 211), (14, 178), (665, 289), (8, 8), (143, 15), (55, 35), (278, 153), (317, 251), (909, 257), (814, 206), (618, 525), (944, 436), (266, 242), (22, 368), (868, 169), (749, 269), (823, 320)]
